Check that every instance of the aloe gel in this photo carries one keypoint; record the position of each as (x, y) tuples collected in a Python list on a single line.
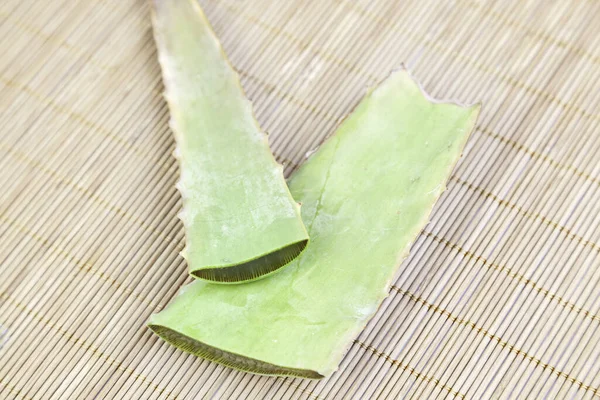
[(366, 194), (240, 220)]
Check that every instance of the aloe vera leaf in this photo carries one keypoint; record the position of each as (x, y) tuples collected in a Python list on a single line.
[(239, 217), (366, 195)]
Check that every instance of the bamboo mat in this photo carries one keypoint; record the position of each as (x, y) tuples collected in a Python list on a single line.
[(500, 297)]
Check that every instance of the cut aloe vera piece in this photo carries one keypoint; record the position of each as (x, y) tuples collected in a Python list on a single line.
[(366, 195), (240, 220)]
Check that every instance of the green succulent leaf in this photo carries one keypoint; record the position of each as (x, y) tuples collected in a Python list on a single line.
[(366, 194), (240, 220)]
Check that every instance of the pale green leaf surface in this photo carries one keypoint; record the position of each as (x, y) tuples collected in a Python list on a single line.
[(366, 195), (240, 220)]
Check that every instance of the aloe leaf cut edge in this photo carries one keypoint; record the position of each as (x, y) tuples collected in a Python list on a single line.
[(366, 193), (240, 220)]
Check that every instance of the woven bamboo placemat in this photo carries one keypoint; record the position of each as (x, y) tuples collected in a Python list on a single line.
[(500, 297)]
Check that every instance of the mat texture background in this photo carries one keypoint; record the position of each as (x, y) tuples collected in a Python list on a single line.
[(500, 297)]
